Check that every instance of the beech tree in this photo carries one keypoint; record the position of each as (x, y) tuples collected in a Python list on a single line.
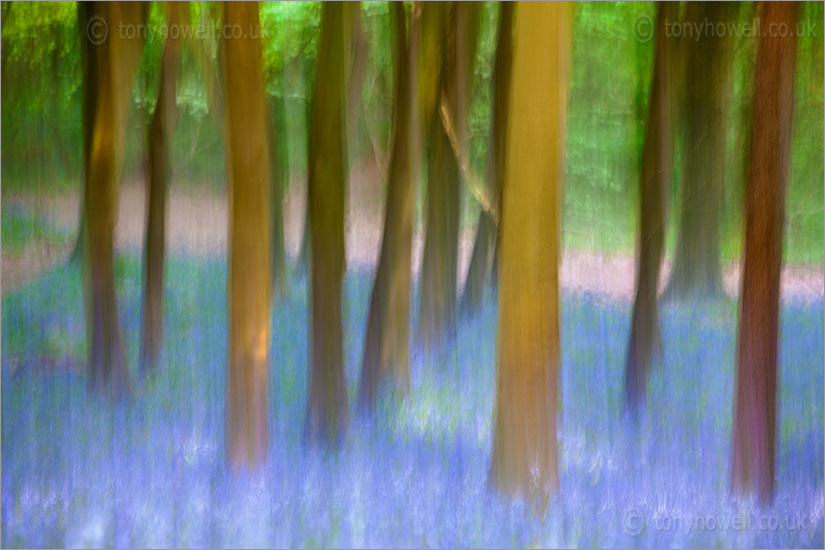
[(327, 410), (250, 282), (754, 426), (110, 67), (654, 184), (161, 131), (482, 265), (525, 455)]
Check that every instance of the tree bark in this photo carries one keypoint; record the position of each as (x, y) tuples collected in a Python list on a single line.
[(327, 411), (524, 443), (250, 281), (654, 184), (115, 61), (161, 131), (439, 270), (754, 430), (696, 267), (387, 343), (487, 232)]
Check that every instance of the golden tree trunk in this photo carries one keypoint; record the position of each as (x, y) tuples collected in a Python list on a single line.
[(754, 429), (524, 445), (250, 281)]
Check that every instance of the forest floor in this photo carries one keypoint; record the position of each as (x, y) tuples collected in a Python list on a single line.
[(197, 225), (81, 471)]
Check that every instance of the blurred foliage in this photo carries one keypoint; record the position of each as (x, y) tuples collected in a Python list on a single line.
[(41, 111)]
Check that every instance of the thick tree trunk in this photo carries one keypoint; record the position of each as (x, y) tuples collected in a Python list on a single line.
[(696, 266), (327, 410), (250, 281), (487, 232), (524, 443), (387, 344), (439, 269), (116, 61), (161, 131), (654, 184), (754, 430)]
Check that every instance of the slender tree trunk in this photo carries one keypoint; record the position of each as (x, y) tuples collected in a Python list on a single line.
[(439, 270), (654, 184), (696, 266), (278, 176), (358, 50), (161, 131), (754, 430), (327, 411), (524, 443), (88, 61), (487, 232), (387, 344), (250, 281), (116, 61)]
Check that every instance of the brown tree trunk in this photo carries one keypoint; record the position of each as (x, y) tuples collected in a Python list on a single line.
[(524, 443), (387, 344), (654, 184), (487, 232), (250, 281), (754, 429), (161, 131), (696, 266), (327, 410), (439, 269), (115, 60)]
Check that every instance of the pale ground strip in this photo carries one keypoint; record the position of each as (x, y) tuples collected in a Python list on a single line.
[(197, 225)]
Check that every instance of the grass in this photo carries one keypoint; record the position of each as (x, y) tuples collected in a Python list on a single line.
[(81, 471)]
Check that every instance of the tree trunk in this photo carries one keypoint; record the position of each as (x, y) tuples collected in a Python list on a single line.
[(754, 430), (278, 176), (88, 61), (439, 270), (696, 267), (654, 184), (327, 411), (250, 281), (487, 232), (115, 60), (161, 131), (358, 50), (524, 444), (387, 344)]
